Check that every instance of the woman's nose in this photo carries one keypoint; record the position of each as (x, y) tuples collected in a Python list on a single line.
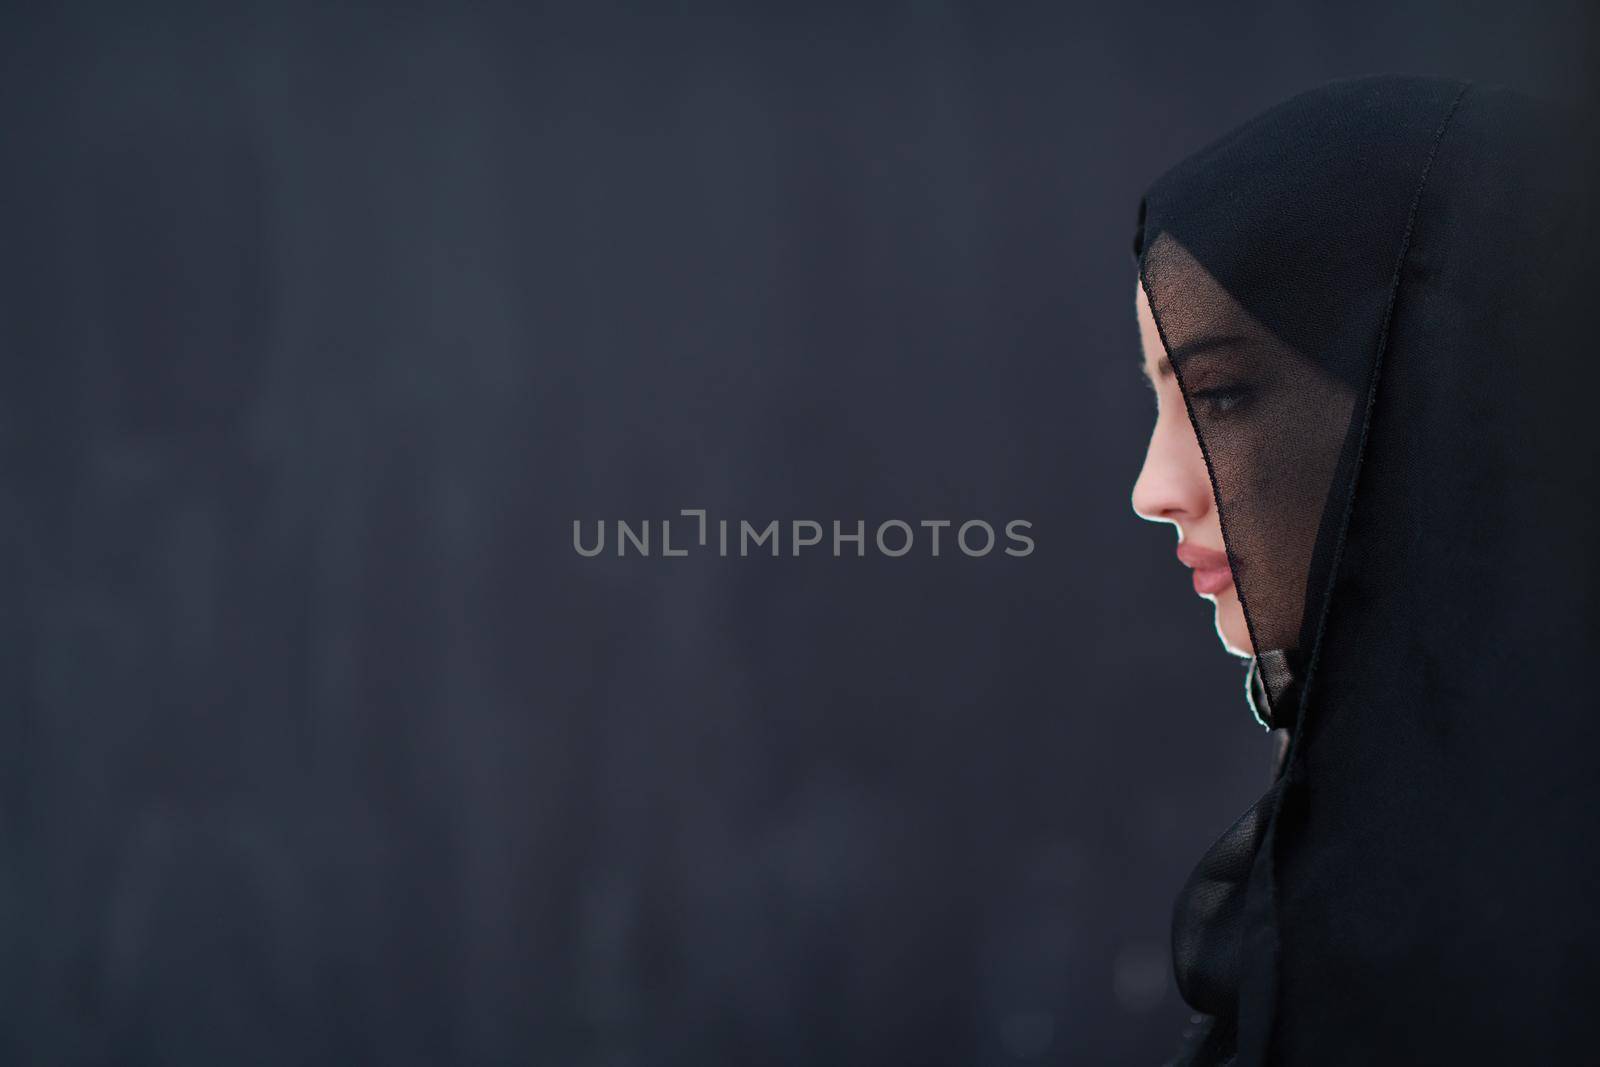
[(1173, 485)]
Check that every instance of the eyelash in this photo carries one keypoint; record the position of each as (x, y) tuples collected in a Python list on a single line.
[(1222, 400)]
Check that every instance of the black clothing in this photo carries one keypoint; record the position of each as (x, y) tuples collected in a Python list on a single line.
[(1207, 923), (1373, 297)]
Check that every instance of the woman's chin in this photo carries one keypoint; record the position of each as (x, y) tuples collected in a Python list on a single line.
[(1237, 648), (1231, 627)]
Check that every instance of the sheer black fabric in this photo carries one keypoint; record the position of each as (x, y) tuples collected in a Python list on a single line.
[(1374, 298), (1209, 916)]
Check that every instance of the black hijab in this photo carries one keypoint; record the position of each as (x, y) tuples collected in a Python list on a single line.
[(1374, 297)]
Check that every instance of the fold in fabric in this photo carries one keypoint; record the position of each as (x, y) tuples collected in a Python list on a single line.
[(1208, 918)]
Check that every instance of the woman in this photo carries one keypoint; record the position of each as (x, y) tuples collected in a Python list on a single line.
[(1363, 313)]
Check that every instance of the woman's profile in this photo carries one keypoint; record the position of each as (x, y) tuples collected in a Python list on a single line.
[(1363, 315)]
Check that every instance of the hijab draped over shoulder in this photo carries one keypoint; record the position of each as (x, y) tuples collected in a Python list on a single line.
[(1388, 280)]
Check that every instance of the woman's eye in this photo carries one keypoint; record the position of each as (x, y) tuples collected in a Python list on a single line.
[(1222, 400)]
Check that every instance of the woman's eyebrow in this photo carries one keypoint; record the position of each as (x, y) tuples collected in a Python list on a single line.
[(1206, 344)]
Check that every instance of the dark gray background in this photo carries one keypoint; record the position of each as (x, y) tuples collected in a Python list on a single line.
[(321, 325)]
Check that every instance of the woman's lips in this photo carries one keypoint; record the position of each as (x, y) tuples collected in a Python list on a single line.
[(1212, 582), (1211, 572)]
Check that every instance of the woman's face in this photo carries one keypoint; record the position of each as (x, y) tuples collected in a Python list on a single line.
[(1174, 487)]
